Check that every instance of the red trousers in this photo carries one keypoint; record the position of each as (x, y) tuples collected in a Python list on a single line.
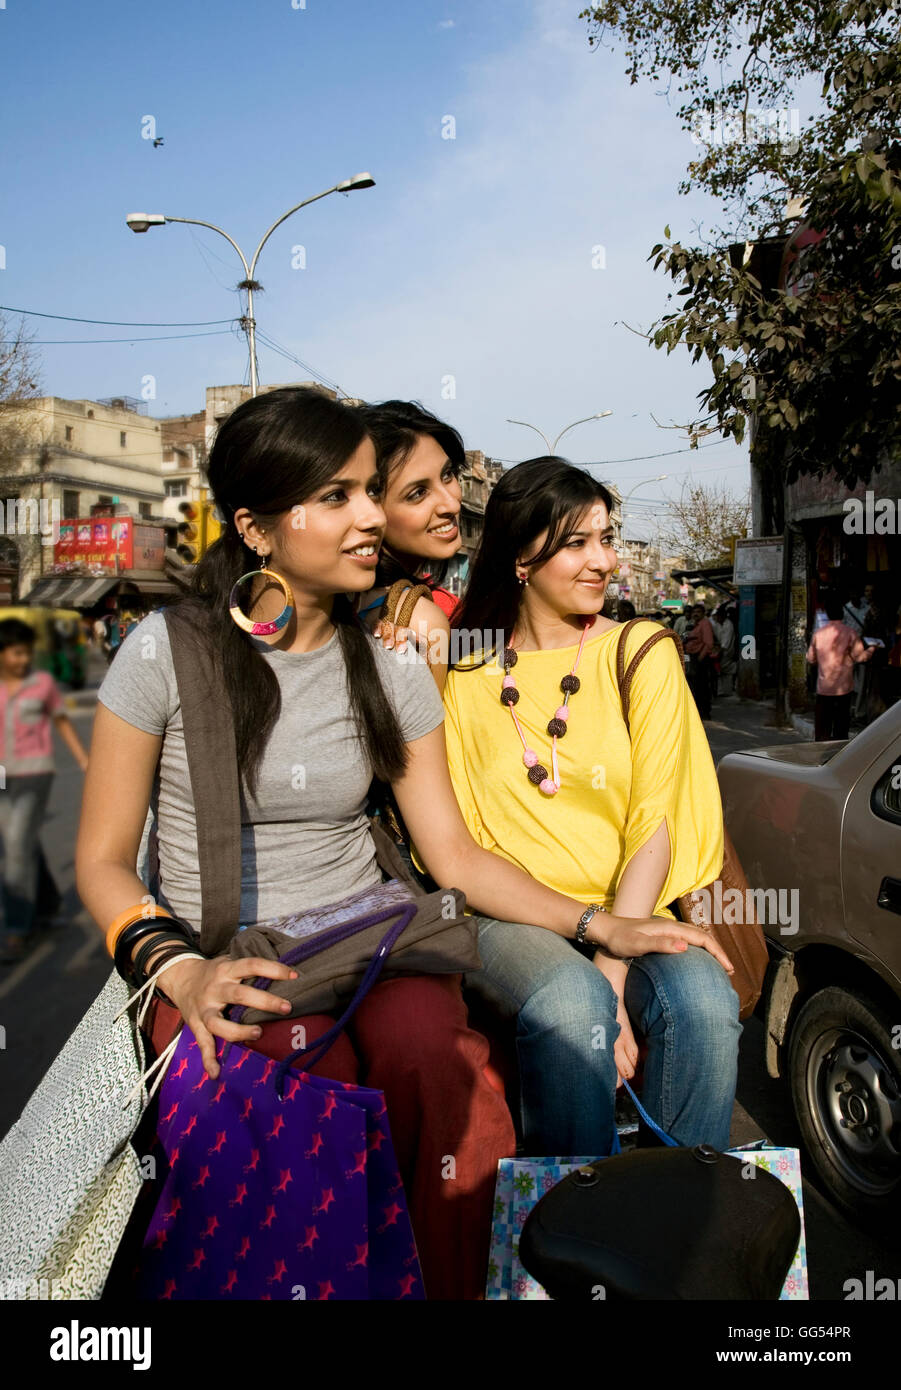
[(449, 1121)]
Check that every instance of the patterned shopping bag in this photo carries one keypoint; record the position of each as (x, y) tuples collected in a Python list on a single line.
[(786, 1165), (281, 1185), (521, 1182)]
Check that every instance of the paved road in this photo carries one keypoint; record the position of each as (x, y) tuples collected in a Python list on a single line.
[(42, 999)]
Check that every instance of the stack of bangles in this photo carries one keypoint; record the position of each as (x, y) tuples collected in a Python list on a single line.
[(164, 937)]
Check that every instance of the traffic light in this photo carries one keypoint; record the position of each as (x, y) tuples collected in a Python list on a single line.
[(198, 531), (190, 532)]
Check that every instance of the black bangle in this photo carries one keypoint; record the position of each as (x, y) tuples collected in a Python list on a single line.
[(136, 931), (148, 947), (168, 953)]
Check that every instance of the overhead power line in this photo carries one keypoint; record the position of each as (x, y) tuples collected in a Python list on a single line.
[(113, 323), (158, 338)]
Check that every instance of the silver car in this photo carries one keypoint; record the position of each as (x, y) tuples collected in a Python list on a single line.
[(822, 823)]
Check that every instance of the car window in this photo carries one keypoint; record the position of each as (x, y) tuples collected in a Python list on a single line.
[(886, 798)]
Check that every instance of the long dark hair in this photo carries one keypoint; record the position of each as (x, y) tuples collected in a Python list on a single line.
[(395, 427), (270, 455), (542, 494)]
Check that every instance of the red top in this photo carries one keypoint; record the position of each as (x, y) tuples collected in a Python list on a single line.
[(445, 600)]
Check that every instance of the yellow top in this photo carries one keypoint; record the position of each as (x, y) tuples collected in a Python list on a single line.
[(614, 791)]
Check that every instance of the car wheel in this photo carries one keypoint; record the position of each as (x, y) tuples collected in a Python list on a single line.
[(846, 1086)]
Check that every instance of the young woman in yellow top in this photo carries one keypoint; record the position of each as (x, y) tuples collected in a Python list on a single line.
[(626, 824)]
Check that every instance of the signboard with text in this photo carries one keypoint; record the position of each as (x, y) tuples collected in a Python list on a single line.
[(758, 560), (109, 542)]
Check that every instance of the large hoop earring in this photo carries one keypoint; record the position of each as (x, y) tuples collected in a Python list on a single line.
[(247, 624)]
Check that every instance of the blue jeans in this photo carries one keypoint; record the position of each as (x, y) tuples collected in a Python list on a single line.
[(23, 802), (565, 1012)]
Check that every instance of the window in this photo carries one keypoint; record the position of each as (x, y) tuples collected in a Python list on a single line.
[(144, 509), (70, 505), (122, 438), (176, 487), (69, 434), (886, 798)]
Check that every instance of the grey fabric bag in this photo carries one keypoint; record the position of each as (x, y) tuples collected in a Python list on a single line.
[(440, 940)]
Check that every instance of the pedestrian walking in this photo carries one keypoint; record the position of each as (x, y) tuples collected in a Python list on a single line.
[(834, 649), (30, 704), (724, 632), (699, 643)]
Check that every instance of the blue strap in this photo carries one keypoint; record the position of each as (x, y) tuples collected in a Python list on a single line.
[(369, 607), (655, 1128)]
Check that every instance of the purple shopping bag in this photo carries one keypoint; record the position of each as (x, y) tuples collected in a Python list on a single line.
[(281, 1185)]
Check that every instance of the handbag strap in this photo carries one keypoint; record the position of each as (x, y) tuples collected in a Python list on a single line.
[(404, 912), (213, 770), (400, 601), (625, 677)]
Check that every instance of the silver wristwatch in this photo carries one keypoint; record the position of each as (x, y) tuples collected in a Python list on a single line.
[(584, 921)]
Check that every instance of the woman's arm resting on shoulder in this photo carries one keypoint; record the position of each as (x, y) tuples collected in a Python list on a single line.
[(430, 630), (496, 888)]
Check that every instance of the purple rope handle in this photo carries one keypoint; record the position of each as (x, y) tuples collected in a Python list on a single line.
[(314, 947)]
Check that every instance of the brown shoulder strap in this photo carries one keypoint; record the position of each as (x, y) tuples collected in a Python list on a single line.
[(625, 677), (400, 601), (213, 770)]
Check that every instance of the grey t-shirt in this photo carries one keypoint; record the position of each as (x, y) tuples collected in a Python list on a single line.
[(304, 837)]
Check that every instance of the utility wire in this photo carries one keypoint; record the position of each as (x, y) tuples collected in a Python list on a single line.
[(112, 323), (160, 338), (273, 346)]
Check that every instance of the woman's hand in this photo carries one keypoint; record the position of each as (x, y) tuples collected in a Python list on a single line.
[(624, 937), (392, 636), (625, 1049), (201, 989)]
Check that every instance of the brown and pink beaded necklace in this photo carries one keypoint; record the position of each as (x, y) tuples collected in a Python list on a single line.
[(537, 774)]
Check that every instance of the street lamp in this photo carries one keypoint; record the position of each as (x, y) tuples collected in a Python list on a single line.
[(143, 221), (659, 479), (552, 448)]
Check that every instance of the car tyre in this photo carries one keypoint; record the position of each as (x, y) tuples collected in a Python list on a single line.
[(845, 1077)]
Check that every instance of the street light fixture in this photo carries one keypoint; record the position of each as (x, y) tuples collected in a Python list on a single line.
[(552, 448), (143, 221)]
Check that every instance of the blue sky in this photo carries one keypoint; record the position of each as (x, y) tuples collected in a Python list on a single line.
[(471, 259)]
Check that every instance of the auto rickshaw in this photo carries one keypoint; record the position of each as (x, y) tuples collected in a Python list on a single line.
[(60, 643)]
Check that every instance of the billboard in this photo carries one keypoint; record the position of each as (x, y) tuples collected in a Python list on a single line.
[(114, 543)]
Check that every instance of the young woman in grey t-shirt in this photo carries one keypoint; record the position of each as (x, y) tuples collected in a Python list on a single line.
[(294, 477)]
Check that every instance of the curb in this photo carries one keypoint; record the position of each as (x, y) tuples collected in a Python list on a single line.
[(81, 699)]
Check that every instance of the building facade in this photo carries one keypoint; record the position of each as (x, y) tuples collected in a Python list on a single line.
[(75, 456)]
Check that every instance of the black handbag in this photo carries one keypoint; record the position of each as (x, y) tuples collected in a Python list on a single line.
[(663, 1223)]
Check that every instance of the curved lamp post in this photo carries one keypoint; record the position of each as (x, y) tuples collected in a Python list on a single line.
[(143, 221), (552, 448)]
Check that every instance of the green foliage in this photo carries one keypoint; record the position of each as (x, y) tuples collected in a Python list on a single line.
[(817, 363)]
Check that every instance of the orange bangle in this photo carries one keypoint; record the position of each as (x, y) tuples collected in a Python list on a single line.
[(125, 919)]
